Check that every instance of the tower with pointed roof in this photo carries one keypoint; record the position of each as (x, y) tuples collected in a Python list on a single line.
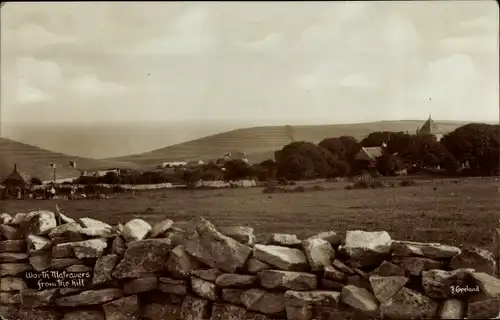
[(430, 127)]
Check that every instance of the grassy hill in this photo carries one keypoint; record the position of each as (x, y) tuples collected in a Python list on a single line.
[(34, 162), (260, 142)]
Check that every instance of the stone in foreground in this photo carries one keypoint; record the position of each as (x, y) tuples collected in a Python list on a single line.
[(92, 248), (409, 304), (288, 280), (207, 274), (332, 237), (416, 265), (283, 258), (232, 280), (122, 309), (217, 250), (367, 248), (180, 264), (255, 265), (140, 285), (359, 299), (135, 230), (385, 288), (103, 268), (300, 305), (84, 315), (428, 250), (206, 290), (476, 258), (452, 309), (227, 312), (243, 235), (193, 308), (489, 285), (39, 223), (90, 297), (160, 228), (263, 301), (144, 256), (319, 253)]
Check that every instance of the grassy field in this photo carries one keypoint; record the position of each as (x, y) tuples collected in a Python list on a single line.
[(448, 211)]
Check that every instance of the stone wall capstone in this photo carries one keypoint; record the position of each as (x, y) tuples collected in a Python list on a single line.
[(58, 268)]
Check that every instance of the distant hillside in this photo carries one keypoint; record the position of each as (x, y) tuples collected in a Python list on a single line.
[(260, 142), (34, 162)]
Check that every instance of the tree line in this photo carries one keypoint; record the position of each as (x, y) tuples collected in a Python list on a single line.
[(471, 150)]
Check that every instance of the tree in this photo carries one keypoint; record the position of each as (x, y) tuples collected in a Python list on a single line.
[(351, 146), (237, 170), (110, 178), (305, 160), (475, 144), (36, 181), (388, 164), (376, 139)]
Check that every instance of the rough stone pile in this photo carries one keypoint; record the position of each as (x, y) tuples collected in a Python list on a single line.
[(139, 271)]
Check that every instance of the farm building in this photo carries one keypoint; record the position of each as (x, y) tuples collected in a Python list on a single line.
[(430, 127), (368, 154), (15, 179), (366, 158), (235, 156), (15, 184), (173, 164)]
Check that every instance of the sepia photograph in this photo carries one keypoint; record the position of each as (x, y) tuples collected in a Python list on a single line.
[(210, 160)]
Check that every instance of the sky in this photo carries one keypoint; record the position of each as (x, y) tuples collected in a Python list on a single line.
[(268, 63)]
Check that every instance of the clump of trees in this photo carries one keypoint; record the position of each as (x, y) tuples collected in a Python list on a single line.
[(472, 149)]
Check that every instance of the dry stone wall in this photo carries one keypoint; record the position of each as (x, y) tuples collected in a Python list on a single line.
[(55, 267)]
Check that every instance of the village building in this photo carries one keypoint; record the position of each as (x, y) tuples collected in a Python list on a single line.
[(430, 127), (235, 156), (15, 184), (368, 154), (172, 164)]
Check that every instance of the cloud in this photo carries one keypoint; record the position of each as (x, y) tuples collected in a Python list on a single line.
[(269, 41), (190, 34), (32, 37), (469, 44), (90, 85), (44, 74), (27, 93), (358, 80)]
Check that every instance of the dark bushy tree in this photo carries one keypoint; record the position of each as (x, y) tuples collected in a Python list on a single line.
[(36, 181), (237, 170), (477, 144)]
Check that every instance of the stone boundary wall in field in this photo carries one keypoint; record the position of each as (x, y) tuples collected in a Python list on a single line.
[(200, 272)]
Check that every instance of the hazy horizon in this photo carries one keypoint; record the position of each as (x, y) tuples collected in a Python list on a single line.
[(202, 68), (102, 140)]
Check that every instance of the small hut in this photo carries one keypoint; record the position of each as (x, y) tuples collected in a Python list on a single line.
[(15, 181)]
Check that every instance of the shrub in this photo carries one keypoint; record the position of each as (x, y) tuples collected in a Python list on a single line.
[(377, 184), (408, 183), (36, 181), (361, 184)]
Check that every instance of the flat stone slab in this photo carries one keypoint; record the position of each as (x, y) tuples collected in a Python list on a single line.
[(288, 280), (428, 250), (90, 297), (287, 259)]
